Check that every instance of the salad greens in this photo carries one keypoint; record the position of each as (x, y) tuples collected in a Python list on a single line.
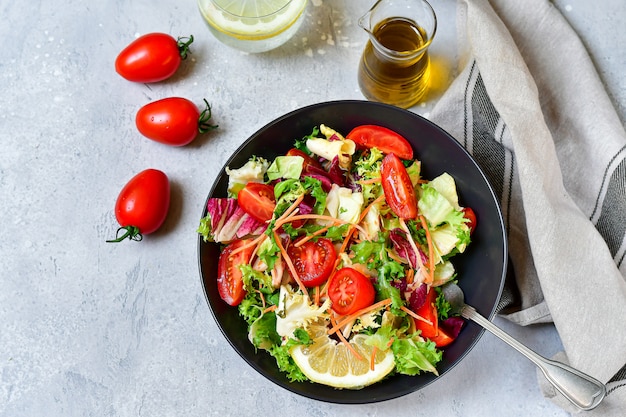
[(339, 197)]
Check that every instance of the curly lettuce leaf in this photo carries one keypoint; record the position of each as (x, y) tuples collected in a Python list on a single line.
[(295, 311), (414, 355)]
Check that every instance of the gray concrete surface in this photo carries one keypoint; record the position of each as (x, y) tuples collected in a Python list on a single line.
[(95, 329)]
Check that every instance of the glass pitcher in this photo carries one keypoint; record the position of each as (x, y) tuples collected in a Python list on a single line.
[(395, 66)]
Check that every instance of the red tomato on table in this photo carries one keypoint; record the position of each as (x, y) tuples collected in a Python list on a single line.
[(398, 188), (257, 200), (350, 290), (152, 57), (386, 140), (142, 205), (229, 276), (173, 121), (313, 261)]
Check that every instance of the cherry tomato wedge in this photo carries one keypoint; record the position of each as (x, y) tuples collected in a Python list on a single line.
[(142, 205), (308, 159), (469, 214), (173, 121), (349, 290), (257, 200), (431, 330), (428, 311), (313, 261), (442, 339), (152, 57), (386, 140), (398, 188), (229, 276)]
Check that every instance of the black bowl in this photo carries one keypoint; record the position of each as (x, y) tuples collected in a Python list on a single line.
[(481, 269)]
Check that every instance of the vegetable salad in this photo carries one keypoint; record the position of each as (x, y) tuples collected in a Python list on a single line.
[(340, 242)]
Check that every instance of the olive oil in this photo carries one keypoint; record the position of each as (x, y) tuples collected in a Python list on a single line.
[(395, 66)]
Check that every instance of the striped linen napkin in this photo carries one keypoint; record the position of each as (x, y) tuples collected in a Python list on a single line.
[(530, 107)]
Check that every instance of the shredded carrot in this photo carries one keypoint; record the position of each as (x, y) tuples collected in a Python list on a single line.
[(390, 342), (312, 235), (345, 342), (347, 319), (415, 315), (292, 269), (369, 181), (410, 274), (288, 219), (413, 246), (346, 242), (292, 207), (270, 308), (431, 257), (373, 358), (317, 295), (245, 246), (258, 245), (262, 298), (376, 201)]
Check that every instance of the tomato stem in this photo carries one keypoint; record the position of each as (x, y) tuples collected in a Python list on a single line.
[(132, 233), (203, 121), (183, 45)]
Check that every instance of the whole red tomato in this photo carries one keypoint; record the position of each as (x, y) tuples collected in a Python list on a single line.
[(142, 205), (173, 121), (152, 57)]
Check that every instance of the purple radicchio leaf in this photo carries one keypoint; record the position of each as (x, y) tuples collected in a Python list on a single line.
[(418, 297), (326, 183), (220, 210), (335, 172), (306, 206), (452, 326), (403, 247), (232, 224), (250, 226)]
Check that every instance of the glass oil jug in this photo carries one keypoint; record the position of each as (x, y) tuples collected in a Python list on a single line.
[(395, 66)]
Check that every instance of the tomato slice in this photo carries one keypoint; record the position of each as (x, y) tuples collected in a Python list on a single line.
[(229, 276), (442, 339), (469, 214), (386, 140), (398, 188), (431, 330), (308, 159), (257, 200), (313, 261), (349, 290)]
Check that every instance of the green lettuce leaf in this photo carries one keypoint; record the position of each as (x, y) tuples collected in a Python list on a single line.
[(288, 167), (414, 355)]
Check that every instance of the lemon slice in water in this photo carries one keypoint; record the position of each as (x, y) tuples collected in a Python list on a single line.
[(252, 19), (329, 362)]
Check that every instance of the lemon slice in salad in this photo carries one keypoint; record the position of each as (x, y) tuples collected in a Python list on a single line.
[(329, 362)]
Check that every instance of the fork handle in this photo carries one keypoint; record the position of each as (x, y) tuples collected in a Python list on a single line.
[(582, 390)]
